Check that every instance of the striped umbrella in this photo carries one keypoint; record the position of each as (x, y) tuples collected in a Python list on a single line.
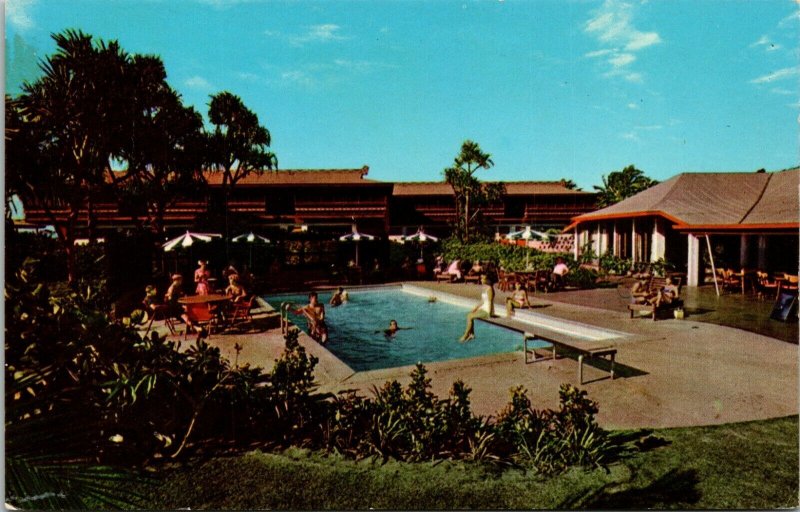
[(355, 236), (526, 234), (421, 237), (251, 238), (187, 240)]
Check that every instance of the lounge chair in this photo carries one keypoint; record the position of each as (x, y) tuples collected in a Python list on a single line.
[(765, 285), (201, 318), (788, 283), (241, 310), (448, 274), (162, 311), (655, 285)]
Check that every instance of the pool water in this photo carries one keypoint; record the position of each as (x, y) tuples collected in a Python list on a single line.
[(356, 330)]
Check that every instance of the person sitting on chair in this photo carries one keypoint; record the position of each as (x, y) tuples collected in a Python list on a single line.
[(235, 290), (455, 269), (517, 299), (438, 265), (665, 295), (150, 294), (175, 292), (639, 293), (315, 314), (559, 271), (476, 269)]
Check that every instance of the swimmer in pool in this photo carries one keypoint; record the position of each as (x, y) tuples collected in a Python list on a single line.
[(392, 330)]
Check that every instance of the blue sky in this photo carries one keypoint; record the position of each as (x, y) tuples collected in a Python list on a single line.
[(551, 89)]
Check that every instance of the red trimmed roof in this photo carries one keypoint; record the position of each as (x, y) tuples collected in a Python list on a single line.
[(440, 188), (300, 177), (732, 200)]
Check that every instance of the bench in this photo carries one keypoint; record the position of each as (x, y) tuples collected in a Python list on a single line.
[(444, 276), (655, 284), (473, 278), (606, 352)]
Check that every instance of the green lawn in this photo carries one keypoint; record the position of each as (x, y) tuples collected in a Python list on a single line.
[(744, 465)]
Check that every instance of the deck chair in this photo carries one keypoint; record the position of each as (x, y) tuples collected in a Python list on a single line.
[(655, 284), (765, 285), (732, 280), (162, 311), (241, 310), (201, 316), (789, 283)]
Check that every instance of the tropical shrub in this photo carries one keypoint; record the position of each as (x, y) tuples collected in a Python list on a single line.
[(125, 400), (412, 424), (510, 257), (582, 277), (614, 264)]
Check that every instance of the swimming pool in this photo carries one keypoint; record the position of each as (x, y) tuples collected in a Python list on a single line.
[(357, 338)]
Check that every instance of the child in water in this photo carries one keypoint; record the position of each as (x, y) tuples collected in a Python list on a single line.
[(339, 298), (393, 328)]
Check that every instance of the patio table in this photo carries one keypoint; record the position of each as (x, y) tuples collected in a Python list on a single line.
[(199, 307)]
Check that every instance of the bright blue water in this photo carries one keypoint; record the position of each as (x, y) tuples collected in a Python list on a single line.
[(356, 330)]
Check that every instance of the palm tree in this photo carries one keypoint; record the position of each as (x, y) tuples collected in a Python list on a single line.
[(622, 184), (164, 152), (470, 193), (70, 119), (569, 184), (238, 145)]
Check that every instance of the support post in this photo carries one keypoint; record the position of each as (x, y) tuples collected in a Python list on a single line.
[(634, 258), (659, 246), (693, 260), (713, 268), (744, 250), (575, 243), (762, 252)]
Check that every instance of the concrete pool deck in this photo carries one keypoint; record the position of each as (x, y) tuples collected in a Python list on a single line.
[(670, 373)]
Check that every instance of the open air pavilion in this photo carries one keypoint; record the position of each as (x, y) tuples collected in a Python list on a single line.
[(742, 220)]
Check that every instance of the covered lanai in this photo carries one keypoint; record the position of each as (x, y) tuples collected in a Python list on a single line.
[(743, 220)]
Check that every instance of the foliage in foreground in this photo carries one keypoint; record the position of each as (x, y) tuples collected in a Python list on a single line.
[(751, 465), (412, 424), (131, 401)]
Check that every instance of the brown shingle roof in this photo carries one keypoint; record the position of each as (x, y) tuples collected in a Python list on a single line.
[(440, 188), (725, 200), (300, 177)]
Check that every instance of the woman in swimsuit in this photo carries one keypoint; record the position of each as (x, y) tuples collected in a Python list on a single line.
[(483, 310)]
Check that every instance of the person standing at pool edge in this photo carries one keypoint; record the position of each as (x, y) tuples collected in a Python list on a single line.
[(483, 310), (315, 314)]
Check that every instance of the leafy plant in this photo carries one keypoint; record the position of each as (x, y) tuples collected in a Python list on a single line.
[(509, 257)]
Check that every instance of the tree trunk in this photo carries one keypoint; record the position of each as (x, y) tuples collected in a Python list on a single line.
[(466, 219), (90, 220), (226, 192), (65, 236)]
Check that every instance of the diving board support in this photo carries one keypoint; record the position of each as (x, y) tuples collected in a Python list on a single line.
[(607, 353)]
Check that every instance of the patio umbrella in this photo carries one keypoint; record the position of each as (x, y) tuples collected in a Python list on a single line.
[(421, 237), (355, 236), (187, 239), (251, 239), (526, 234)]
